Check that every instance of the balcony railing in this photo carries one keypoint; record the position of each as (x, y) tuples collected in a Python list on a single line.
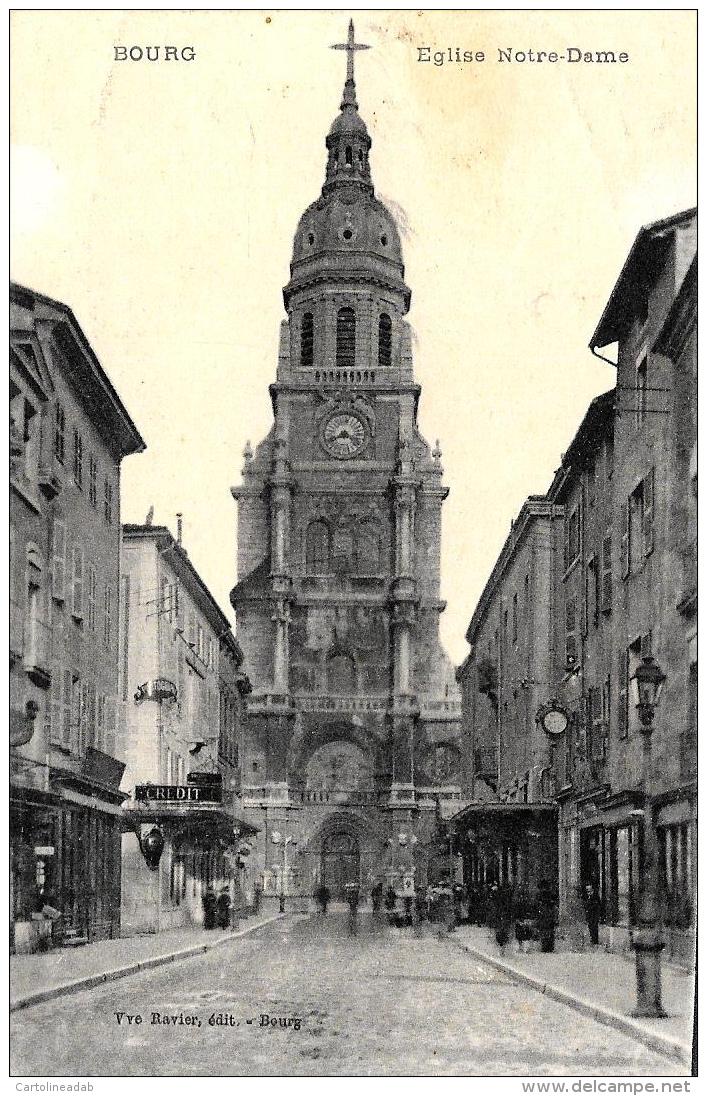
[(338, 795)]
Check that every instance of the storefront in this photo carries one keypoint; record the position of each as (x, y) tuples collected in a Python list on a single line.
[(513, 844), (65, 853), (201, 850)]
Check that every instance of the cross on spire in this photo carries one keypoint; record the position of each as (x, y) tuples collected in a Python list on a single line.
[(351, 46)]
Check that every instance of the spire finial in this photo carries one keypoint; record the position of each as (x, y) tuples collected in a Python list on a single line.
[(351, 46)]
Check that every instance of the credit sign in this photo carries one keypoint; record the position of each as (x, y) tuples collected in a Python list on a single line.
[(178, 793)]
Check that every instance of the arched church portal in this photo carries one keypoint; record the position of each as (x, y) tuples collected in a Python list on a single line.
[(341, 862)]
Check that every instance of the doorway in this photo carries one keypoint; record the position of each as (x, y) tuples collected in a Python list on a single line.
[(340, 862)]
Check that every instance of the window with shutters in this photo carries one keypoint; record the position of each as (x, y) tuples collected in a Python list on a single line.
[(606, 574), (78, 459), (107, 615), (570, 632), (77, 583), (572, 537), (606, 711), (58, 557), (307, 341), (593, 594), (346, 338), (647, 516), (92, 584), (76, 714), (56, 711), (385, 333), (641, 391), (67, 709), (584, 602), (60, 433), (90, 715), (623, 693), (108, 502), (597, 726), (591, 478), (92, 480)]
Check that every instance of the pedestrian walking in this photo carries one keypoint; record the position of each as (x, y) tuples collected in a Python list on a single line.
[(323, 896), (592, 911), (502, 913), (209, 904), (352, 897), (391, 900), (523, 918), (376, 895), (546, 915), (223, 909)]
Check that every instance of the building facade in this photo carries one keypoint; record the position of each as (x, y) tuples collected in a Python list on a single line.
[(353, 734), (621, 585), (69, 434), (503, 682), (651, 316), (183, 690)]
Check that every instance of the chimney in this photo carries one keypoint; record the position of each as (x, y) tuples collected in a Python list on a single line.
[(179, 530)]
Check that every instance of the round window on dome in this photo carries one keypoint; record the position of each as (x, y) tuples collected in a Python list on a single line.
[(310, 238), (384, 240), (347, 234)]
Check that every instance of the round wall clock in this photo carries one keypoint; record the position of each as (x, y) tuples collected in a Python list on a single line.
[(343, 435)]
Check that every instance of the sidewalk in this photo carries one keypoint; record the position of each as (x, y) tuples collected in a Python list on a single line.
[(35, 978), (597, 983)]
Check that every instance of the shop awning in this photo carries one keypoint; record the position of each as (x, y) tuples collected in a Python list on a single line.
[(476, 811), (185, 820)]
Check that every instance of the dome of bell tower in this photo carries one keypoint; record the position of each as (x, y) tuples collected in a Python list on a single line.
[(347, 230)]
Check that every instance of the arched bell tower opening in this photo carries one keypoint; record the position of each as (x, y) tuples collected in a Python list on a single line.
[(339, 528)]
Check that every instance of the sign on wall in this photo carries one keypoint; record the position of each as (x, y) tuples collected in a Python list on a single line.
[(178, 793)]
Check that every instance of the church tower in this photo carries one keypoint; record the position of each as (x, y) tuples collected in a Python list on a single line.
[(353, 731)]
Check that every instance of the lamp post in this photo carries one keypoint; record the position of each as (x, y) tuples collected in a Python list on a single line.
[(647, 938), (278, 838)]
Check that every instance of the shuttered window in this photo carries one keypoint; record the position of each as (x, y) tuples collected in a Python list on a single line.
[(92, 584), (107, 616), (77, 583), (648, 509), (58, 558), (626, 539), (623, 693), (570, 632), (606, 574), (56, 725), (67, 709)]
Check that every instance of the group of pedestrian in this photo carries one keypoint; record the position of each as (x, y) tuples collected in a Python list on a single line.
[(217, 908)]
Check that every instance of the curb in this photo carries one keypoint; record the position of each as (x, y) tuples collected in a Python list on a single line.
[(92, 980), (664, 1044)]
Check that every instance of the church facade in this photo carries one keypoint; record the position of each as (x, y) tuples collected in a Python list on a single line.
[(352, 746)]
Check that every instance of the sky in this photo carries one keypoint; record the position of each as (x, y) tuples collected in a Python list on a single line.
[(159, 200)]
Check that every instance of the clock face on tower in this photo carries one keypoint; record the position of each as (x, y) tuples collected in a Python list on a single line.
[(343, 435)]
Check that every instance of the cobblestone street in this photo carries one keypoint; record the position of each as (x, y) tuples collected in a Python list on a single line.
[(384, 1001)]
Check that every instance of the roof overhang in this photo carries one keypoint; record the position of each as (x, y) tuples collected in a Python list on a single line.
[(636, 276)]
